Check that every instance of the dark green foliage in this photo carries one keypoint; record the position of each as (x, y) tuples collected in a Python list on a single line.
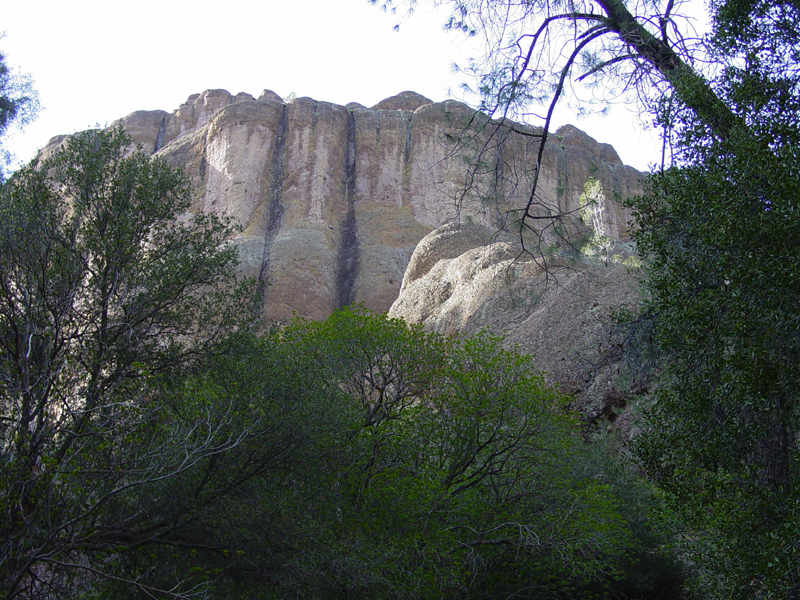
[(723, 282), (414, 466), (725, 286), (439, 468), (105, 294)]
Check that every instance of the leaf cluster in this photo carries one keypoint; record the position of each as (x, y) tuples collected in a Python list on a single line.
[(446, 467), (19, 104)]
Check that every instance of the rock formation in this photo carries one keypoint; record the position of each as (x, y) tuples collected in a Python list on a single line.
[(463, 278), (334, 199)]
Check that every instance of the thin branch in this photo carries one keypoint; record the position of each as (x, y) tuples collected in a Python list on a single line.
[(600, 31), (608, 63)]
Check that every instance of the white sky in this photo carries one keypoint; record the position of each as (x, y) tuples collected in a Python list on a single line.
[(94, 61)]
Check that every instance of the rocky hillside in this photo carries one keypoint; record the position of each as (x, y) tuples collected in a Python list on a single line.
[(334, 200)]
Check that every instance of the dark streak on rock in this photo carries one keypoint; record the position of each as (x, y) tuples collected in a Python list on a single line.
[(203, 163), (347, 266), (314, 121), (498, 192), (562, 177), (275, 193), (162, 130), (407, 152)]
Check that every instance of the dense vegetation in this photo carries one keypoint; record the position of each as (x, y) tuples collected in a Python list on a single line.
[(717, 228), (721, 231)]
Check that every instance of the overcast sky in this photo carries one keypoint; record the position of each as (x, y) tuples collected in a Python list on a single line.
[(94, 61)]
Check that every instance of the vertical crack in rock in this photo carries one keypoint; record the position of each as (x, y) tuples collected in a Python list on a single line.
[(314, 121), (275, 193), (407, 152), (203, 162), (347, 268), (562, 178), (162, 130), (498, 192), (312, 149), (406, 183)]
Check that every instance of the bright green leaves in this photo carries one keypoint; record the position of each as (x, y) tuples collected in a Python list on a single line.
[(383, 366), (460, 472)]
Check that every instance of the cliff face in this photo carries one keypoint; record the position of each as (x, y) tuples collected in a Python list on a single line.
[(334, 199)]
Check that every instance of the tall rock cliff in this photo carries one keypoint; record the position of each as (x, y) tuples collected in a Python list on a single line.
[(334, 199)]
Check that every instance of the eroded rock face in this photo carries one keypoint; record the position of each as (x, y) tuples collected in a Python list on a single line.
[(334, 199), (464, 279)]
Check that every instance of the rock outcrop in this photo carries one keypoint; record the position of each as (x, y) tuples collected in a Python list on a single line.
[(334, 199), (464, 278)]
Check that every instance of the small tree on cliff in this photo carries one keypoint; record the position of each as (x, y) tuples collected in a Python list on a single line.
[(107, 290)]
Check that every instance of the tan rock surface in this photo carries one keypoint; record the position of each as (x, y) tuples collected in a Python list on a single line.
[(333, 200), (560, 315)]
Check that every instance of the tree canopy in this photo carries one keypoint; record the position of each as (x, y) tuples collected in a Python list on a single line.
[(720, 233), (19, 103), (105, 290)]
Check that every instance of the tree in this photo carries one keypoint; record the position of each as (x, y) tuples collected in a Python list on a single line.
[(381, 461), (721, 434), (589, 52), (238, 518), (456, 472), (723, 287), (109, 291), (18, 102)]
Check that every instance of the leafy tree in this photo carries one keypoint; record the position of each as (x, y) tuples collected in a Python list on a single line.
[(457, 472), (18, 102), (243, 511), (720, 234), (385, 462), (719, 229), (722, 279), (109, 290)]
